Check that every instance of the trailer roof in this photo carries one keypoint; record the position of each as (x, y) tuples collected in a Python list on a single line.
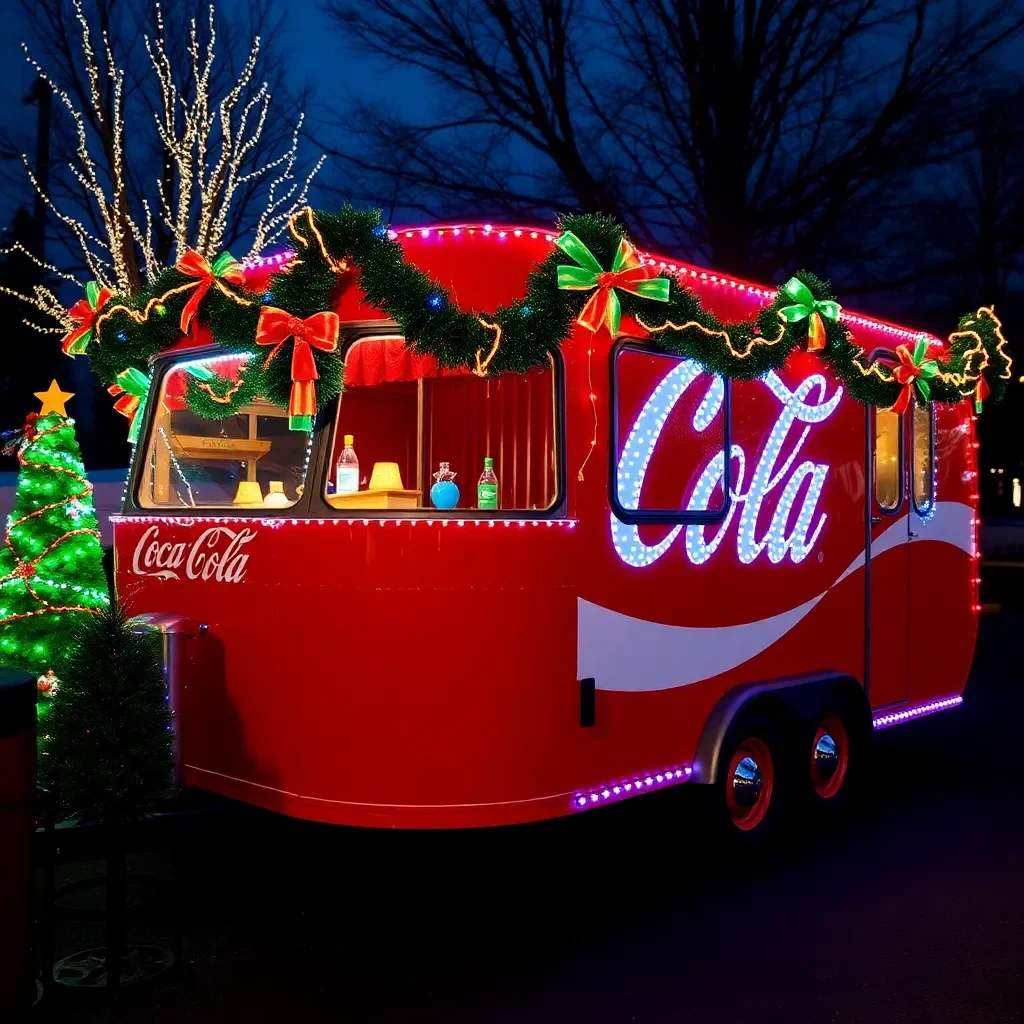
[(494, 276)]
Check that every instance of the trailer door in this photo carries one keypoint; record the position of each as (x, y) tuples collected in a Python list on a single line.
[(888, 560)]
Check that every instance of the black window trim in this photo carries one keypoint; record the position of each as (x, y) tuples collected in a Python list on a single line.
[(160, 366), (320, 508), (637, 517), (887, 510), (927, 509)]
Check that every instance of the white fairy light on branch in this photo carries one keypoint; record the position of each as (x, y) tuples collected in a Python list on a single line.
[(211, 146)]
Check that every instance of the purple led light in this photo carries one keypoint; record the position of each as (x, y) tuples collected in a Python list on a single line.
[(917, 711), (638, 784)]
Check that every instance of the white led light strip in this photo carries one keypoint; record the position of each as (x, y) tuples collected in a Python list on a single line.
[(277, 522)]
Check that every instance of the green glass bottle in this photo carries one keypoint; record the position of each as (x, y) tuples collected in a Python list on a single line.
[(487, 487)]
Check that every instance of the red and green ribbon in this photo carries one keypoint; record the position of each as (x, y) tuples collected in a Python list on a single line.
[(807, 307), (84, 312), (192, 264), (915, 369), (319, 331), (130, 389), (628, 274)]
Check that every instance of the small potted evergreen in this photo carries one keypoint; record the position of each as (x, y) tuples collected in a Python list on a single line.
[(107, 758)]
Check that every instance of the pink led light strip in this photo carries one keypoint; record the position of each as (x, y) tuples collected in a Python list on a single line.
[(636, 784), (680, 269), (917, 711)]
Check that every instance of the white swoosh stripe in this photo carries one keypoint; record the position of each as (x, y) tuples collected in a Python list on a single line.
[(629, 654)]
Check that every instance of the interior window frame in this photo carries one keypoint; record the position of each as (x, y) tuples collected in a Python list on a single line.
[(928, 508), (901, 467), (320, 508), (637, 517), (160, 366)]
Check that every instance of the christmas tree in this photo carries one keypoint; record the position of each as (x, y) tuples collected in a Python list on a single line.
[(51, 562)]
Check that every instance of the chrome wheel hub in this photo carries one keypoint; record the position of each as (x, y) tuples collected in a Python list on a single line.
[(826, 757), (746, 782)]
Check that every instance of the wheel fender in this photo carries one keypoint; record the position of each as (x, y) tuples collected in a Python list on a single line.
[(797, 697)]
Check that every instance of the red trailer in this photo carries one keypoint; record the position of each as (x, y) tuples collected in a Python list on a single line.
[(642, 610)]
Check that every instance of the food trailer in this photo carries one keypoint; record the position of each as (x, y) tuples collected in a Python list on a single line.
[(688, 579)]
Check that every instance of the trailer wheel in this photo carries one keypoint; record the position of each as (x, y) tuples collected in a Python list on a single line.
[(834, 752), (752, 781)]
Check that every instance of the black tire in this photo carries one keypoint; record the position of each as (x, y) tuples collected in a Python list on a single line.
[(832, 759), (752, 808)]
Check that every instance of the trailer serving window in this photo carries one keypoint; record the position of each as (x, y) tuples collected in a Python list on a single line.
[(670, 433), (923, 466), (247, 460), (412, 424)]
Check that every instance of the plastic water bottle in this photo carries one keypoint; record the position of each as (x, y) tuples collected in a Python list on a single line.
[(487, 487), (346, 475)]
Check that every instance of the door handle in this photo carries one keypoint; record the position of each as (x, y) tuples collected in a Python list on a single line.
[(912, 534), (875, 520)]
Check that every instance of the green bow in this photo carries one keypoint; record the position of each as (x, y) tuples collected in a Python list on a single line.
[(627, 274), (131, 388), (805, 305)]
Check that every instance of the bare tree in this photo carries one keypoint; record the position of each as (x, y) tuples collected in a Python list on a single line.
[(160, 161), (745, 132)]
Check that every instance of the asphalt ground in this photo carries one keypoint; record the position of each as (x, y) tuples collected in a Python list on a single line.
[(909, 908)]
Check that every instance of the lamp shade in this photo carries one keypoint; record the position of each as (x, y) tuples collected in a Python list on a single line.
[(386, 476), (249, 493), (276, 498)]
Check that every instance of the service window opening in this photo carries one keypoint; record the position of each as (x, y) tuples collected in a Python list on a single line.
[(409, 434)]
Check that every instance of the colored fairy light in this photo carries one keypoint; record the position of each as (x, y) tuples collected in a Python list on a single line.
[(915, 711), (435, 300), (631, 785)]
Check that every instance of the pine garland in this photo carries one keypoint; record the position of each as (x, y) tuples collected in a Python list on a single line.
[(522, 333)]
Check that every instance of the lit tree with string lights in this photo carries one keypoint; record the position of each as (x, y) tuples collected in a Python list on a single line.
[(51, 562), (212, 158)]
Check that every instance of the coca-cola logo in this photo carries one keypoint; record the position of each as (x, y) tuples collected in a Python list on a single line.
[(749, 494), (216, 554)]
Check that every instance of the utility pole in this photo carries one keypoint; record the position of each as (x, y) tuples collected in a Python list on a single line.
[(41, 94)]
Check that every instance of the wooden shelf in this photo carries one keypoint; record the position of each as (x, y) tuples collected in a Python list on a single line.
[(376, 499), (233, 449)]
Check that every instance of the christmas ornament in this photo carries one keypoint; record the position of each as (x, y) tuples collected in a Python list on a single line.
[(445, 492), (84, 311), (915, 369), (48, 684), (319, 331), (807, 307), (54, 399), (627, 274)]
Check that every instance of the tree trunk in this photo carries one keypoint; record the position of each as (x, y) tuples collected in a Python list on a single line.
[(117, 896)]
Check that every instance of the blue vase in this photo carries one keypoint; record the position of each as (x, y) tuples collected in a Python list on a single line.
[(445, 494)]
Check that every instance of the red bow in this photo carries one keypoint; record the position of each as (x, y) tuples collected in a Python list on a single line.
[(319, 331), (84, 313), (192, 264)]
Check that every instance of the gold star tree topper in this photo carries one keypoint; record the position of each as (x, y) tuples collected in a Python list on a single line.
[(54, 399)]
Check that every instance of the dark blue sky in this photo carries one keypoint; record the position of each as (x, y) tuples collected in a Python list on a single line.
[(315, 46)]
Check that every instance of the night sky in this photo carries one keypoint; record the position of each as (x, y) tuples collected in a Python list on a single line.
[(317, 47)]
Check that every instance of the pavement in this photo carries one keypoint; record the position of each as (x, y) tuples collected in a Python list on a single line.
[(907, 909)]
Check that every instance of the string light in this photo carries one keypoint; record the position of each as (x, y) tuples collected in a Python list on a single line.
[(230, 130), (593, 410)]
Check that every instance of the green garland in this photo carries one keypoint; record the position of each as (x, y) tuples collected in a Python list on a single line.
[(521, 334)]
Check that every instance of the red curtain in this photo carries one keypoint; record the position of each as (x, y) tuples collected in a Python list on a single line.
[(386, 360)]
